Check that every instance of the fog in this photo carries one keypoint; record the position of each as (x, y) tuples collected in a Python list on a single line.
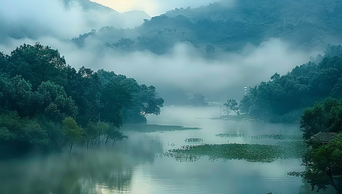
[(184, 68), (39, 18), (154, 7)]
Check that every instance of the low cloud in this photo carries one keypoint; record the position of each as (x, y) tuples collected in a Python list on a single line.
[(184, 68), (154, 7), (40, 18)]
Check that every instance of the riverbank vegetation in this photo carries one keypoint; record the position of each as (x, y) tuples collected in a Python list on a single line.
[(322, 127), (265, 136), (46, 105), (248, 152), (284, 98)]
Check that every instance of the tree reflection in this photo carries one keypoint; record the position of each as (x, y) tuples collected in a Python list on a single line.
[(86, 172)]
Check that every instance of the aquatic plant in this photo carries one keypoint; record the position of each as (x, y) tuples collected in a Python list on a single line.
[(230, 135), (194, 140), (249, 152), (264, 136)]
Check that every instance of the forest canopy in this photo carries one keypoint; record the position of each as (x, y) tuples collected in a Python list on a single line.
[(284, 98), (46, 104)]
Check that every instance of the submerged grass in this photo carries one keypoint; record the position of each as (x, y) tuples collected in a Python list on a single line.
[(147, 128), (249, 152)]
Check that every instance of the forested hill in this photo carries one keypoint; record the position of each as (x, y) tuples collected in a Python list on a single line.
[(224, 27), (45, 104), (284, 98), (61, 19)]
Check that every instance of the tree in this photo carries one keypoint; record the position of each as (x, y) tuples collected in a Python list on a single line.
[(53, 103), (231, 104), (148, 101), (324, 117), (285, 95), (3, 62), (21, 135), (113, 98), (112, 134), (84, 87), (324, 165), (323, 161), (143, 99), (73, 133), (94, 132), (18, 95), (36, 64)]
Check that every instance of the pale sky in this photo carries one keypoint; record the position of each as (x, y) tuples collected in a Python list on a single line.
[(152, 7)]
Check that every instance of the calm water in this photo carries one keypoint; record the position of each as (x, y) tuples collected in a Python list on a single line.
[(137, 165)]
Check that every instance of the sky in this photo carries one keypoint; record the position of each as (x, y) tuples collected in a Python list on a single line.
[(152, 7)]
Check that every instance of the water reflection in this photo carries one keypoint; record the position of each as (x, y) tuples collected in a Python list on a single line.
[(79, 173), (96, 171), (137, 165)]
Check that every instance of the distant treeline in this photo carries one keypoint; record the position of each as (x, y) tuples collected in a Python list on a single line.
[(220, 27), (284, 98), (46, 104)]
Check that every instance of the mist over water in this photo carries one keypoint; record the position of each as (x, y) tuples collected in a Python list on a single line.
[(137, 165)]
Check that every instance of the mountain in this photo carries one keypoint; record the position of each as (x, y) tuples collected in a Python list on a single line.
[(221, 27), (61, 19), (87, 5), (100, 15)]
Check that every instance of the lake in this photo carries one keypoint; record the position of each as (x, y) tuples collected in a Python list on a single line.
[(138, 165)]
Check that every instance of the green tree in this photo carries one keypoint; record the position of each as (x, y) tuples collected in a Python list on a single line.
[(324, 117), (3, 62), (232, 105), (21, 135), (113, 98), (85, 88), (323, 161), (16, 95), (37, 63), (148, 101), (324, 165), (53, 103), (73, 133), (95, 133), (112, 134)]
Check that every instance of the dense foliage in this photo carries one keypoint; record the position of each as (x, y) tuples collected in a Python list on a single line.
[(323, 159), (221, 27), (283, 98), (46, 104)]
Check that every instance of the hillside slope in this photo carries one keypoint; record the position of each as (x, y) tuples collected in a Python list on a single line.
[(218, 27)]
